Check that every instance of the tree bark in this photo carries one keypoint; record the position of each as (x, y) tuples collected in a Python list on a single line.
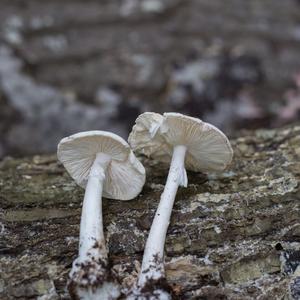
[(233, 235)]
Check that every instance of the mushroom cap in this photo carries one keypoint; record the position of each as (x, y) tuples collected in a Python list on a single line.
[(124, 176), (155, 135)]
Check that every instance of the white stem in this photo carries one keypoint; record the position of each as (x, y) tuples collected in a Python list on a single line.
[(152, 265), (89, 275), (91, 225)]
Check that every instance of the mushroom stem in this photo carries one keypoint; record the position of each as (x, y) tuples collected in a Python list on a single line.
[(91, 225), (90, 278), (153, 259)]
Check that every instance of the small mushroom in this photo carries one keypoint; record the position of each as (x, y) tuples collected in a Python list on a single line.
[(103, 164), (187, 143)]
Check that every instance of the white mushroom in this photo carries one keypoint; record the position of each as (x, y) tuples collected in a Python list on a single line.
[(187, 143), (103, 164)]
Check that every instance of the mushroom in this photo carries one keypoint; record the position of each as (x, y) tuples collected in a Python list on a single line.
[(103, 164), (187, 143)]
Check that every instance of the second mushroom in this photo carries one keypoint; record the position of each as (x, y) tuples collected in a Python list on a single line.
[(187, 143)]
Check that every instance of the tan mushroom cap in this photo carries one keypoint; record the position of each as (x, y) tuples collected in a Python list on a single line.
[(155, 135), (124, 176)]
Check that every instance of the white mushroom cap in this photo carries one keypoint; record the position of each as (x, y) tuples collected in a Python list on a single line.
[(124, 176), (155, 135)]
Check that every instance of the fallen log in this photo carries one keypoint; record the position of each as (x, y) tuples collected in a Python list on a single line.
[(233, 235)]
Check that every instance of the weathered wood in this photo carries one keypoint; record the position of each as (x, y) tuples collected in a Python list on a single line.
[(227, 234)]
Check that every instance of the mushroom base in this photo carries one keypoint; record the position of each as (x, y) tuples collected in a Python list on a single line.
[(91, 278), (107, 291), (153, 289)]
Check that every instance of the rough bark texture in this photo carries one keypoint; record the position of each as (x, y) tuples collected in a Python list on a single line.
[(233, 235)]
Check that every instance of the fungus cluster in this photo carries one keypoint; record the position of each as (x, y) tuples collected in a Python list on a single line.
[(104, 164)]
